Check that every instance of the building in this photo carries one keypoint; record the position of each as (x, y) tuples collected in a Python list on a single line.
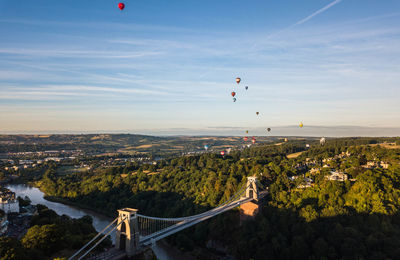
[(371, 164), (315, 170), (3, 224), (55, 159), (23, 162), (7, 201), (6, 195), (374, 164), (306, 182), (384, 165), (16, 168), (336, 176)]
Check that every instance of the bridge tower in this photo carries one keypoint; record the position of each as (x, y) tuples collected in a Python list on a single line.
[(250, 209), (252, 190), (127, 235)]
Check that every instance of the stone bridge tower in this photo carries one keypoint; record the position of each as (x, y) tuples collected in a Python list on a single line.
[(252, 190), (127, 235), (250, 209)]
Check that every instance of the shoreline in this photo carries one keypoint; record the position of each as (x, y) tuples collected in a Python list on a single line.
[(75, 204), (68, 202), (59, 199)]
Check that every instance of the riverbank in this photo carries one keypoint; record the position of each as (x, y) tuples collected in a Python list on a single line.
[(37, 196), (72, 203), (78, 205)]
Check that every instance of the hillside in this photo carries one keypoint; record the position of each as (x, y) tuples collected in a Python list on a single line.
[(122, 143)]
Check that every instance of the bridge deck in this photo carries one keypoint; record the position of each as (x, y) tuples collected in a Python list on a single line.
[(148, 240)]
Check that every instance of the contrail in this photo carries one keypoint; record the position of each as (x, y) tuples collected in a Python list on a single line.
[(323, 9)]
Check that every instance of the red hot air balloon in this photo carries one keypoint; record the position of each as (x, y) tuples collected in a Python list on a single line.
[(233, 93), (222, 153), (121, 6), (245, 138)]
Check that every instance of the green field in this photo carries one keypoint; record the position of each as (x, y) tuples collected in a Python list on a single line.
[(65, 170)]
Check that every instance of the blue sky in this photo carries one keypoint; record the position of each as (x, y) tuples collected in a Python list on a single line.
[(168, 67)]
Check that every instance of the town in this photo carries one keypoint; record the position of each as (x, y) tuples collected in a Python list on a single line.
[(302, 165)]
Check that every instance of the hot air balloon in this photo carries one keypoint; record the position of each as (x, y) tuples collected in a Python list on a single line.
[(222, 153), (253, 140), (245, 138), (206, 147), (233, 93), (301, 124), (269, 129), (257, 113), (234, 99), (238, 80), (322, 141), (247, 131), (247, 87), (121, 6)]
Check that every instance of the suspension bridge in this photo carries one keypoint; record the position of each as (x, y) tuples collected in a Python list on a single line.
[(136, 232)]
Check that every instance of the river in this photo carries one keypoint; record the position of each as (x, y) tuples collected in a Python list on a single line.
[(161, 250)]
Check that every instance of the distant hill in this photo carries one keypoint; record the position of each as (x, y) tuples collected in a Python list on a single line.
[(126, 143)]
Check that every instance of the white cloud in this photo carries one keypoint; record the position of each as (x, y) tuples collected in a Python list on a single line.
[(64, 53)]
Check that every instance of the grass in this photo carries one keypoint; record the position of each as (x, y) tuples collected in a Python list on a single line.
[(387, 145), (294, 155), (64, 170)]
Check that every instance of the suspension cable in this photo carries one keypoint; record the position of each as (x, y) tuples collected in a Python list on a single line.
[(232, 198), (88, 243), (105, 236)]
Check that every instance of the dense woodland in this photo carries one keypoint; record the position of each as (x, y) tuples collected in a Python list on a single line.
[(356, 219)]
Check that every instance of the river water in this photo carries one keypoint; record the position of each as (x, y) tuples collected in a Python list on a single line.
[(162, 251)]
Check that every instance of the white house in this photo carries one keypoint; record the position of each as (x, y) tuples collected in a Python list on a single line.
[(336, 176)]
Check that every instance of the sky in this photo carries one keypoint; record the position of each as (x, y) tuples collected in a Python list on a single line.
[(169, 67)]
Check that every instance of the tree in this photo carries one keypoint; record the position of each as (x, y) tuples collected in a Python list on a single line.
[(47, 238), (24, 202), (2, 176), (11, 249)]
